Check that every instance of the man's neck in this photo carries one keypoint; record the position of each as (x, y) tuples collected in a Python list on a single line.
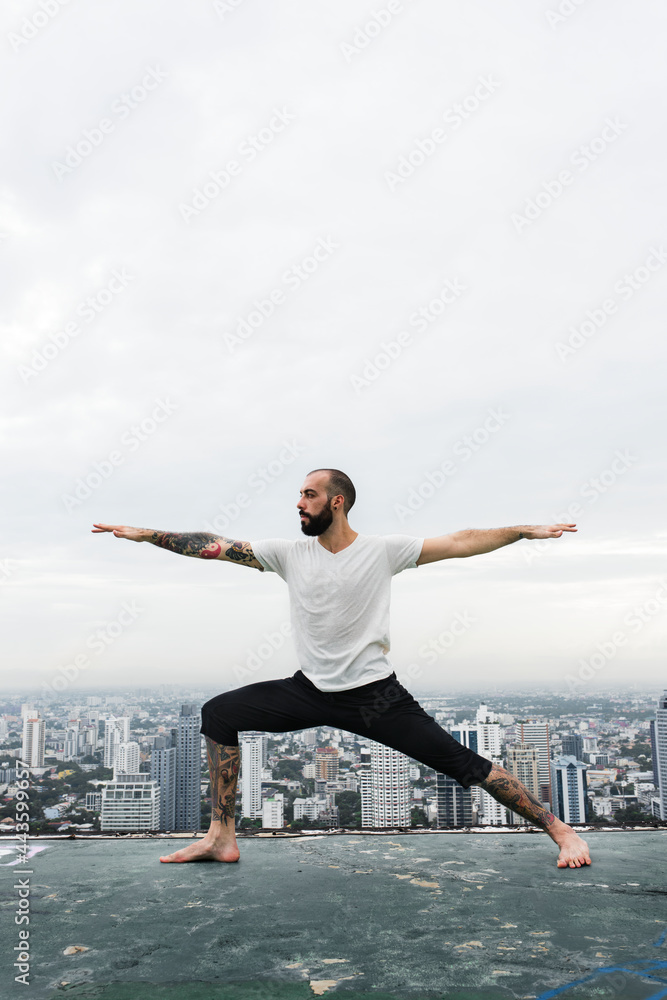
[(337, 537)]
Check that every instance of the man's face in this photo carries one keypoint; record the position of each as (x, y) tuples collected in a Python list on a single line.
[(314, 506)]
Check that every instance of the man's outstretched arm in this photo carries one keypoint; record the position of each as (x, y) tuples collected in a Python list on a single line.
[(475, 541), (200, 544)]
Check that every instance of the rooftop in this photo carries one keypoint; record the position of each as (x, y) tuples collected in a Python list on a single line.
[(448, 916)]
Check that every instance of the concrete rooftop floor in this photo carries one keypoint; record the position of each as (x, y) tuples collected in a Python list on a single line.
[(456, 916)]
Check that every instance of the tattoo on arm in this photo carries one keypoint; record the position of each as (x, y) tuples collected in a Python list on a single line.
[(223, 766), (238, 551), (508, 790), (203, 545)]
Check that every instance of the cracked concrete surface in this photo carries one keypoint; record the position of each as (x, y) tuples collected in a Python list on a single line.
[(446, 916)]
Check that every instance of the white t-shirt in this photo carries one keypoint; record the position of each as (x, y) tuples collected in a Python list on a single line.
[(340, 603)]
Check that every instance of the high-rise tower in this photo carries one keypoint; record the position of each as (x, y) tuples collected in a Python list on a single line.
[(251, 774), (385, 788), (188, 769), (660, 760)]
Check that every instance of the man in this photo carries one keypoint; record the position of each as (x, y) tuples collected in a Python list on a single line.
[(339, 583)]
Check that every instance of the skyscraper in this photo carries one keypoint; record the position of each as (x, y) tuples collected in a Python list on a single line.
[(484, 738), (467, 735), (272, 811), (126, 760), (568, 779), (489, 734), (660, 758), (455, 803), (365, 786), (116, 730), (130, 802), (188, 769), (523, 763), (385, 789), (251, 774), (71, 746), (537, 734), (163, 771), (34, 732), (326, 763), (573, 745), (654, 753)]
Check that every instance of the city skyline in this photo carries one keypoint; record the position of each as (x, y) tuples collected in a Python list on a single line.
[(592, 763)]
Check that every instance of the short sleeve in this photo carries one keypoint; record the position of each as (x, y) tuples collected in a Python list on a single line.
[(272, 553), (403, 551)]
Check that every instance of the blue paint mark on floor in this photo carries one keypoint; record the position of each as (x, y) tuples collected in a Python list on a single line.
[(644, 973)]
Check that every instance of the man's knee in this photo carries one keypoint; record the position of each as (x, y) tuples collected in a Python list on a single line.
[(216, 716), (218, 704)]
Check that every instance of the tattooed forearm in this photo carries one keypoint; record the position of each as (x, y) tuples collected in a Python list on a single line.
[(505, 788), (203, 545), (191, 543), (223, 769)]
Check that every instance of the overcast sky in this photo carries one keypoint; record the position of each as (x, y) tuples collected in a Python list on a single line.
[(423, 242)]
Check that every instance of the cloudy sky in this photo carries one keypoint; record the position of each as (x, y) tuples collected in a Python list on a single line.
[(424, 242)]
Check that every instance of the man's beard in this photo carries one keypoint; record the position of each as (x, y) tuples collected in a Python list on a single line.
[(317, 524)]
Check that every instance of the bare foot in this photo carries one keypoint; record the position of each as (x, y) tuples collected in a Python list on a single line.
[(573, 851), (205, 850)]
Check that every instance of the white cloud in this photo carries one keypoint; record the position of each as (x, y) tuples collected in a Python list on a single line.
[(324, 176)]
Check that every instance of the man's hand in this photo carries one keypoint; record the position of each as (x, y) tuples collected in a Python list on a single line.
[(475, 541), (540, 531), (198, 544), (122, 531)]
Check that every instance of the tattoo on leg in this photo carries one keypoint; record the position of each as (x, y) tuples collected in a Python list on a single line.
[(508, 790), (223, 769)]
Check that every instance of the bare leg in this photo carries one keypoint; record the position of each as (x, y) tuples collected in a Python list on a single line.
[(505, 788), (219, 844)]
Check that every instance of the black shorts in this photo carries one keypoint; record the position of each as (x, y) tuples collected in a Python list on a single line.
[(382, 711)]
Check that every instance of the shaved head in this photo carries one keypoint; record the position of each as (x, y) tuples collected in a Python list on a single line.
[(339, 483)]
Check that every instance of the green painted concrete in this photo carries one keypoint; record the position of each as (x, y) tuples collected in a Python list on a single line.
[(461, 917)]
